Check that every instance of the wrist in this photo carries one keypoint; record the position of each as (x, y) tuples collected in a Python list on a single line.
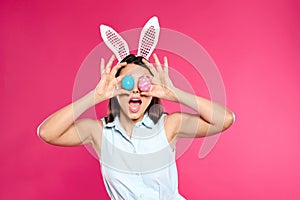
[(172, 94), (98, 97)]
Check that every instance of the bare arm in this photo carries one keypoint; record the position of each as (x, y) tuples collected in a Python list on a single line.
[(62, 128), (212, 117)]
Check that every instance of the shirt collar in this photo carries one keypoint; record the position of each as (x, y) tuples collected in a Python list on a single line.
[(146, 122)]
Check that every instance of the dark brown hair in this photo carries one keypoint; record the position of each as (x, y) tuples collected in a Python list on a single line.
[(155, 109)]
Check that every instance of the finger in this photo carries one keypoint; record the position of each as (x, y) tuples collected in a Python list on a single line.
[(155, 81), (150, 92), (147, 94), (117, 67), (120, 78), (150, 66), (102, 67), (166, 65), (158, 65), (121, 91), (109, 63)]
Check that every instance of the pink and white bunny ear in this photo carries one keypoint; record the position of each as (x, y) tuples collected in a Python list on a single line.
[(114, 42), (149, 38)]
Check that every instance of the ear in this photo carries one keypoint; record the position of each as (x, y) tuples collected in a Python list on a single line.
[(114, 42), (149, 38)]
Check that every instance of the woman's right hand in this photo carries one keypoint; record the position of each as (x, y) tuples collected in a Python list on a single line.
[(108, 86)]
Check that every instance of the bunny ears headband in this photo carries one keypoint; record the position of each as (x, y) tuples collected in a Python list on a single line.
[(147, 43)]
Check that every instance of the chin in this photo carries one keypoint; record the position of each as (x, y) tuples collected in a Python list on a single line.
[(136, 116)]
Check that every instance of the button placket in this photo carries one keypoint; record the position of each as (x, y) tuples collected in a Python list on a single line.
[(133, 141), (138, 173)]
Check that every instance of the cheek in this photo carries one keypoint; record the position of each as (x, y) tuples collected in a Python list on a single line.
[(123, 100), (147, 101)]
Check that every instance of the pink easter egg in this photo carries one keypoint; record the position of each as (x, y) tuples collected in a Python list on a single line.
[(144, 84)]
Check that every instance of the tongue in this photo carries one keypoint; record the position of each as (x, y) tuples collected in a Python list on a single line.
[(134, 107)]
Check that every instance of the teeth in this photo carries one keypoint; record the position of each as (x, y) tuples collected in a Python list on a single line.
[(135, 100)]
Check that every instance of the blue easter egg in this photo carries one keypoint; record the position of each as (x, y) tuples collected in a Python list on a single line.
[(127, 82)]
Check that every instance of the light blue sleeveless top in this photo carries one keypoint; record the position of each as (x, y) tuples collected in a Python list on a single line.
[(140, 167)]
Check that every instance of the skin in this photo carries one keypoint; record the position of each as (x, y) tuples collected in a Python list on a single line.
[(61, 129), (127, 118)]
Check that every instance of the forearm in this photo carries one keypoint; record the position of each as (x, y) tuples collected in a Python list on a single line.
[(212, 112), (56, 124)]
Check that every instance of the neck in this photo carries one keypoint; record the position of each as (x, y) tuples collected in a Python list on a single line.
[(128, 123)]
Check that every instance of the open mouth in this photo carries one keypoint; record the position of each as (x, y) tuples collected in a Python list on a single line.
[(135, 104)]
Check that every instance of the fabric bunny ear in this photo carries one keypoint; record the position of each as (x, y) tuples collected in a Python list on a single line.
[(114, 42), (149, 38)]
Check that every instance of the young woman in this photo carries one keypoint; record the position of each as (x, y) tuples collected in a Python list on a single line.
[(136, 141)]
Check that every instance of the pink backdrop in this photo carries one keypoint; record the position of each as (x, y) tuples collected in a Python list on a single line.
[(254, 43)]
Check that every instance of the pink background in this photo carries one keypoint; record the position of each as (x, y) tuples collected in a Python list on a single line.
[(254, 43)]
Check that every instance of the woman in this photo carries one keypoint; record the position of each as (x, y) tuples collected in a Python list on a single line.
[(136, 141)]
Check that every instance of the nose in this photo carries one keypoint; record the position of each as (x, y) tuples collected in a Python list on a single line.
[(135, 91)]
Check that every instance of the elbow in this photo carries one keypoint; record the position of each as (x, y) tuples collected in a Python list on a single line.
[(43, 134), (228, 120)]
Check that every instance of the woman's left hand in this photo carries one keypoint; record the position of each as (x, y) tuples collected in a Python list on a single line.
[(162, 86)]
